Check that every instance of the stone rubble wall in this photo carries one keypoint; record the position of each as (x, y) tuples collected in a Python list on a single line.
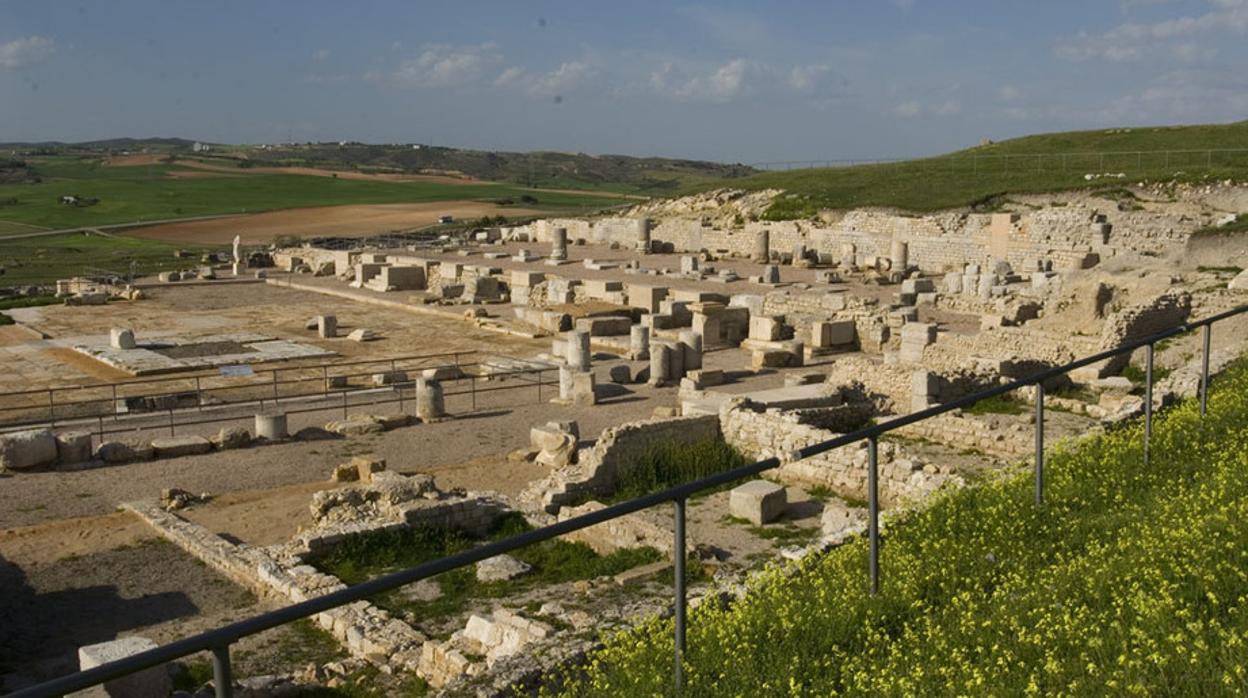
[(596, 468), (770, 434), (631, 531), (959, 430)]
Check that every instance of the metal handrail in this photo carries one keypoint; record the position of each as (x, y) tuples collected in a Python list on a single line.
[(219, 640)]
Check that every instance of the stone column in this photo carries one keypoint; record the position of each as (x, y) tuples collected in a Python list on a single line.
[(900, 254), (849, 255), (430, 405), (271, 426), (578, 350), (643, 235), (677, 352), (771, 274), (559, 244), (639, 342), (691, 346), (327, 326), (660, 364), (762, 246), (567, 374)]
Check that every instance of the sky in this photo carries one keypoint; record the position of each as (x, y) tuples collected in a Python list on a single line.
[(728, 81)]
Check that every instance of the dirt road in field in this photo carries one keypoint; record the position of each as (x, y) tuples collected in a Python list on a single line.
[(342, 221)]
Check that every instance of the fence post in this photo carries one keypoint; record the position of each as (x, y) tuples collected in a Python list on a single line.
[(275, 400), (344, 404), (221, 675), (1204, 371), (873, 512), (678, 576), (51, 408), (171, 433), (324, 381), (199, 395), (539, 385), (1148, 399), (472, 382), (1039, 443), (114, 402)]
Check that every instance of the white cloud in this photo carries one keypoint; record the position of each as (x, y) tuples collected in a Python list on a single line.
[(725, 82), (444, 65), (1009, 93), (564, 79), (1132, 41), (908, 110), (806, 78), (25, 51), (1183, 96)]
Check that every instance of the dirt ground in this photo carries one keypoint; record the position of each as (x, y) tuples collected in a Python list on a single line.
[(359, 220)]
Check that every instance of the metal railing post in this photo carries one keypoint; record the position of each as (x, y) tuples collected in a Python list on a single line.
[(1204, 371), (171, 422), (199, 395), (325, 381), (115, 409), (51, 409), (873, 512), (678, 576), (1039, 443), (1148, 399), (222, 679), (472, 381)]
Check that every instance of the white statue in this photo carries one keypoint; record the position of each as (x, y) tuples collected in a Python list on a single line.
[(238, 257)]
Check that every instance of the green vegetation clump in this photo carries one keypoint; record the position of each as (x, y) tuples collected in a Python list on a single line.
[(43, 260), (668, 464), (981, 177), (1132, 579), (362, 557)]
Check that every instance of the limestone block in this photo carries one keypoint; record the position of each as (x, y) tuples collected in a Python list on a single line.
[(915, 286), (1240, 282), (149, 683), (604, 326), (583, 389), (430, 403), (765, 328), (389, 378), (119, 338), (771, 274), (114, 452), (73, 447), (326, 326), (177, 446), (442, 373), (557, 447), (621, 375), (831, 334), (27, 449), (362, 335), (500, 568), (758, 501)]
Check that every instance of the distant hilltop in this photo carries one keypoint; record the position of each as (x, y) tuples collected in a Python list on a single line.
[(652, 175)]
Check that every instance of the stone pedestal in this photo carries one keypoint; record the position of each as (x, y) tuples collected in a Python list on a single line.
[(660, 364), (559, 244), (271, 426), (430, 405), (900, 254), (239, 268), (578, 350), (149, 683), (691, 347), (327, 326), (762, 246), (642, 242), (771, 274), (639, 342)]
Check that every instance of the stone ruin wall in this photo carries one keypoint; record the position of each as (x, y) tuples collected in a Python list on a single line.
[(1064, 236), (844, 470), (597, 467)]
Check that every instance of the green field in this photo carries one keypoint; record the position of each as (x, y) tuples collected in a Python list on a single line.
[(43, 260), (130, 194), (1131, 580), (1032, 164)]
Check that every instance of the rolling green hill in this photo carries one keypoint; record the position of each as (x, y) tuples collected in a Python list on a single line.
[(152, 192), (1032, 164)]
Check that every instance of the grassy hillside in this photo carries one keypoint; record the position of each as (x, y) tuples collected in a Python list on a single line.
[(1133, 579), (1033, 164), (152, 192)]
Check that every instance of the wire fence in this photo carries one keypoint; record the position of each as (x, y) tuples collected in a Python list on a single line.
[(218, 641), (1096, 163)]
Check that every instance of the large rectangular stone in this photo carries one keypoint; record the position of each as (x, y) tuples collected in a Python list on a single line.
[(176, 446), (149, 683), (758, 502), (27, 449), (832, 334)]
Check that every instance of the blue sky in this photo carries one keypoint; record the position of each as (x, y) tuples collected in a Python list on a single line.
[(731, 81)]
